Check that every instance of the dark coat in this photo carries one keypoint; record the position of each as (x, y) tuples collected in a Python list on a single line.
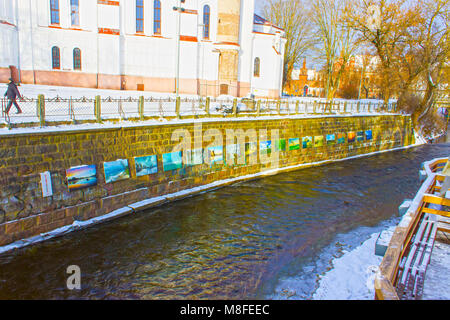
[(12, 91)]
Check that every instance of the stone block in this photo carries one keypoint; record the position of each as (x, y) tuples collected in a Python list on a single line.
[(404, 207), (383, 241)]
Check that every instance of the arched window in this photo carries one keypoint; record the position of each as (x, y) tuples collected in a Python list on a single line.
[(75, 12), (257, 67), (157, 17), (206, 19), (139, 15), (56, 62), (54, 11), (76, 59)]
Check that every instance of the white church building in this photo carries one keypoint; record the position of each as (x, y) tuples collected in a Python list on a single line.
[(224, 47)]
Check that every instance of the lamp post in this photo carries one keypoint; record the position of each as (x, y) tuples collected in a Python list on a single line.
[(179, 9)]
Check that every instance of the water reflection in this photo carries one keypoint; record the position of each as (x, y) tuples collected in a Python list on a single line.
[(232, 243)]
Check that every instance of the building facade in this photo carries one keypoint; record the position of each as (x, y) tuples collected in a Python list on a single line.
[(132, 45), (305, 82)]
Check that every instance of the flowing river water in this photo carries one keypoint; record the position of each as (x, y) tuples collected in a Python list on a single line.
[(237, 242)]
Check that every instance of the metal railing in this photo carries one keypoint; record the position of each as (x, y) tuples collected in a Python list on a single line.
[(387, 279), (44, 111)]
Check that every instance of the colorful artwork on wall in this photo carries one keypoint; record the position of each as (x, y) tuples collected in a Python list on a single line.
[(351, 136), (265, 147), (233, 153), (368, 134), (146, 165), (341, 138), (331, 139), (81, 177), (194, 157), (280, 145), (294, 144), (116, 170), (318, 141), (172, 161), (215, 154), (307, 142), (360, 136), (251, 148)]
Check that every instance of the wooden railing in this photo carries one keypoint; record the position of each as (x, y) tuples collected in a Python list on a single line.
[(387, 277)]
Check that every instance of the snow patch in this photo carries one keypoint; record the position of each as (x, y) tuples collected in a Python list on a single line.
[(352, 276)]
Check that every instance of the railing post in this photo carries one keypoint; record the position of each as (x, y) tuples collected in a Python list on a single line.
[(235, 107), (314, 106), (177, 107), (345, 107), (141, 107), (306, 107), (41, 109), (98, 108), (368, 107), (258, 108), (278, 107), (207, 104), (296, 106), (358, 106)]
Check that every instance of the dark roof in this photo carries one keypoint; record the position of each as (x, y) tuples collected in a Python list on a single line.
[(260, 20)]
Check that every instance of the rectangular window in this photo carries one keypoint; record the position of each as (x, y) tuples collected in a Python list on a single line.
[(56, 64), (75, 12), (157, 17), (139, 15), (54, 11)]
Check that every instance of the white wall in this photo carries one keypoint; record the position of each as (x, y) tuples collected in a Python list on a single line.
[(246, 41), (271, 63), (129, 53)]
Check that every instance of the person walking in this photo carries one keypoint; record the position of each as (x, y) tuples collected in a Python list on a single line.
[(12, 94)]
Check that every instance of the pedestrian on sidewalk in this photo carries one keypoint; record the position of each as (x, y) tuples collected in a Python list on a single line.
[(12, 94)]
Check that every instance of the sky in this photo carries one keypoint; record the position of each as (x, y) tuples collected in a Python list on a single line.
[(259, 6)]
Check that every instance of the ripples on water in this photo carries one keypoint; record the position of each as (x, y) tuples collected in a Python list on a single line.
[(233, 243)]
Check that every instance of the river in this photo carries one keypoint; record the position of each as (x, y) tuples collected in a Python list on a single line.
[(237, 242)]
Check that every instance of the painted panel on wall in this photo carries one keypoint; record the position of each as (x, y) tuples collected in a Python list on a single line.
[(307, 142), (215, 154), (172, 161), (318, 141), (294, 144), (265, 147), (194, 157), (116, 170), (81, 177), (331, 139), (360, 136), (351, 136), (146, 165), (341, 138), (280, 145)]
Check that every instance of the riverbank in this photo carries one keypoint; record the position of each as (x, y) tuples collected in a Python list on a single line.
[(236, 242)]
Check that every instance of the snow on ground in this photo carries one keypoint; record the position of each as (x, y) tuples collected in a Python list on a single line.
[(352, 276), (79, 109), (343, 270), (32, 91), (437, 277)]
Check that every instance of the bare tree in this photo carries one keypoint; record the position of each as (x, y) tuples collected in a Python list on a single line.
[(335, 41), (389, 34), (434, 49), (293, 17)]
